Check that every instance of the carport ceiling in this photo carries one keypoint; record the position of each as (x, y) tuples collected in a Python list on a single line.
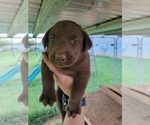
[(136, 17), (96, 16), (13, 16), (85, 12)]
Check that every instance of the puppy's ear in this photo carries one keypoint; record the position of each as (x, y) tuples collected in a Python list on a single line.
[(87, 43), (45, 39)]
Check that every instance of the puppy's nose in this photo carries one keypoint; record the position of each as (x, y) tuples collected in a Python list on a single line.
[(60, 58)]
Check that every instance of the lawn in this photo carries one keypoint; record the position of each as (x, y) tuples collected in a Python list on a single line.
[(104, 74), (11, 112), (37, 112), (131, 73)]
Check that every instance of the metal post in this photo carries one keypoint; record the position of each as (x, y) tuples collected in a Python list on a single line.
[(141, 56), (114, 60), (115, 63), (138, 64), (13, 49), (36, 48), (93, 57), (116, 66), (114, 74)]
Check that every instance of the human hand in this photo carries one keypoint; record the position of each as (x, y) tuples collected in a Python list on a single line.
[(63, 81)]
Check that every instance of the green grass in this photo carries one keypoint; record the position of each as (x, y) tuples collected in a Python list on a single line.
[(102, 76), (104, 73), (11, 112), (129, 71), (38, 113)]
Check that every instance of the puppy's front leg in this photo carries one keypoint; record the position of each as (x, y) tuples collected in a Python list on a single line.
[(77, 92), (48, 94)]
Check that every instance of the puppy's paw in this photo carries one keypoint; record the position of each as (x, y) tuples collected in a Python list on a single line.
[(73, 110), (23, 98), (47, 99)]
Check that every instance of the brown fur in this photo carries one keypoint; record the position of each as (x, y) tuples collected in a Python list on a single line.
[(70, 43)]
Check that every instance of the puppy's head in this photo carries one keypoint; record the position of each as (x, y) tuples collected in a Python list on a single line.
[(65, 42)]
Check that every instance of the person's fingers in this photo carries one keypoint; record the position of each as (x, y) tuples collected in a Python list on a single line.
[(56, 79), (48, 63), (62, 85), (67, 80), (61, 79), (45, 58)]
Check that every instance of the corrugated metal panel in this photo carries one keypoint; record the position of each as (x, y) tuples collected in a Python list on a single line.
[(85, 12), (8, 11), (136, 17), (135, 9), (34, 8)]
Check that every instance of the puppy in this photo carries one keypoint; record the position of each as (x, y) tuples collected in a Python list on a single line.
[(67, 45)]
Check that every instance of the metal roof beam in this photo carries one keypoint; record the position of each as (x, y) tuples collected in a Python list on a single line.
[(138, 26), (49, 11), (20, 22), (106, 28)]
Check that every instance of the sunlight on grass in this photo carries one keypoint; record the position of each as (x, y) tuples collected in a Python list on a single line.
[(11, 112), (130, 72)]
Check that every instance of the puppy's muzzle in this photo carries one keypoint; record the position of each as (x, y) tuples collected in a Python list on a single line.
[(59, 59)]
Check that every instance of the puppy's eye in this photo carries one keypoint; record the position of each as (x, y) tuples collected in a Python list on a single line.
[(75, 41), (52, 38)]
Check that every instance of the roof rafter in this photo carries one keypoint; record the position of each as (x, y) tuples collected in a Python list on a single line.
[(110, 27), (138, 26), (49, 11), (20, 22)]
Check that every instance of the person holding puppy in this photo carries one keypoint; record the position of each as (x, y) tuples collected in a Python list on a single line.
[(65, 83)]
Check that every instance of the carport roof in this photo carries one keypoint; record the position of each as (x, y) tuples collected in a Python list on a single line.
[(85, 12), (13, 16), (96, 16)]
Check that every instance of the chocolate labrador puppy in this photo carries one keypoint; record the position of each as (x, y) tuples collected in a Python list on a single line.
[(67, 45)]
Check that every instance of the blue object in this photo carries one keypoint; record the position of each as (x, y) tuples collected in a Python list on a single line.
[(34, 74), (9, 74), (104, 46)]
